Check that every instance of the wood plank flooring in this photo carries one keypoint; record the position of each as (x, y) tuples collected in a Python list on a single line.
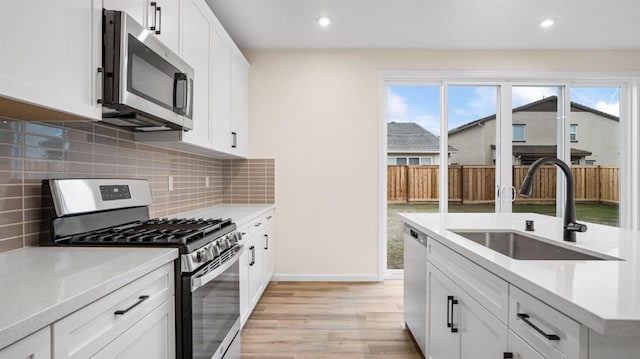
[(317, 320)]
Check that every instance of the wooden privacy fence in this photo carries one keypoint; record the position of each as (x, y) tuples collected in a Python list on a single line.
[(476, 184)]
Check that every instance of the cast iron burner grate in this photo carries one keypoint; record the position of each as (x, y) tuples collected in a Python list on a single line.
[(153, 231)]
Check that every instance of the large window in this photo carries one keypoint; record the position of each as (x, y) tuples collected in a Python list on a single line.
[(495, 129)]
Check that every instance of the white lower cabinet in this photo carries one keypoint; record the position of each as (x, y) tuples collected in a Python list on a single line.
[(472, 313), (256, 274), (459, 327), (134, 321), (35, 346), (256, 263), (151, 337), (143, 308)]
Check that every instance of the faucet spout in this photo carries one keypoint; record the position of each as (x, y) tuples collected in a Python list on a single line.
[(570, 224)]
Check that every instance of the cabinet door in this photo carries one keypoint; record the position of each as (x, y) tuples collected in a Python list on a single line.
[(51, 52), (267, 239), (443, 343), (240, 106), (256, 273), (152, 337), (196, 46), (35, 346), (164, 17), (482, 334), (521, 350), (220, 95)]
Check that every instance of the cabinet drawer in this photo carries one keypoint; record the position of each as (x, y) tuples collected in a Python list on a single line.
[(489, 290), (548, 331), (88, 330), (255, 225)]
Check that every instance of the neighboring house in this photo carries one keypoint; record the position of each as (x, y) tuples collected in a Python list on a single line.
[(595, 136), (410, 144)]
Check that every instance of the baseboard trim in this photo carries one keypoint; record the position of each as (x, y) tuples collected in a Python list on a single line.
[(324, 278)]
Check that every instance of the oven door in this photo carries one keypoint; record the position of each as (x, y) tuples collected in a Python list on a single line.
[(211, 310)]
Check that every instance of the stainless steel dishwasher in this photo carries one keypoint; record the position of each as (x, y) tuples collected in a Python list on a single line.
[(415, 284)]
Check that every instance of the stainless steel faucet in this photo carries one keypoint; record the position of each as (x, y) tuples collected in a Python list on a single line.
[(570, 224)]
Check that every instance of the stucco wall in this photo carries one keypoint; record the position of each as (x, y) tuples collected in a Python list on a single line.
[(316, 113)]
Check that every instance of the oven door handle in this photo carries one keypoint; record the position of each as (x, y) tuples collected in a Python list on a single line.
[(199, 281)]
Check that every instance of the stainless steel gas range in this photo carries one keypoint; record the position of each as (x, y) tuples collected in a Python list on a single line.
[(115, 212)]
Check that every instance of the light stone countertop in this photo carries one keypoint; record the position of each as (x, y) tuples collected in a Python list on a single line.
[(603, 295), (239, 213), (40, 285)]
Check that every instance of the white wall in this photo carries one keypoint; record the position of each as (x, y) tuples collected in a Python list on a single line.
[(316, 113)]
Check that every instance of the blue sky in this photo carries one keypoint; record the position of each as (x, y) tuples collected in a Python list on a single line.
[(421, 104)]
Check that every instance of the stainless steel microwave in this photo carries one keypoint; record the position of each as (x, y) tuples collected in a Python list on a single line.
[(146, 86)]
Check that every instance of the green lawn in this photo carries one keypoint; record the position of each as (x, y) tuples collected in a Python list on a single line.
[(591, 212)]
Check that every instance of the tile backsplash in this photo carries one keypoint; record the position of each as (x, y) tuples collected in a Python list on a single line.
[(33, 151)]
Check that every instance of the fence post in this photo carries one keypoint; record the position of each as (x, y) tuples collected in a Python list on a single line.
[(461, 180), (406, 184)]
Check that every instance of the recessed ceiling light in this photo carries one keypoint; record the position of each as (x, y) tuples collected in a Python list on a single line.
[(324, 21), (548, 22)]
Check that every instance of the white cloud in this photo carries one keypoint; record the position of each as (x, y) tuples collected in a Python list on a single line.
[(428, 122), (525, 95), (398, 111), (610, 108), (396, 105), (484, 102)]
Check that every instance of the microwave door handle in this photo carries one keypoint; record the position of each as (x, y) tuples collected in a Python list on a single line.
[(179, 87), (188, 96)]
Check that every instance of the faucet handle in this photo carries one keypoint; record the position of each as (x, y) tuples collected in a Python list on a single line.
[(576, 227)]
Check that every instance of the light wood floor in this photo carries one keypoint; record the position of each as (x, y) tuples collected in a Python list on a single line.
[(316, 320)]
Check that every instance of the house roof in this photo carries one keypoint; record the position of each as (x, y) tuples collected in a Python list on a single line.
[(543, 151), (547, 104), (410, 137)]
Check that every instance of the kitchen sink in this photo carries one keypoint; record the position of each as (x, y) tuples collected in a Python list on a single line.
[(519, 246)]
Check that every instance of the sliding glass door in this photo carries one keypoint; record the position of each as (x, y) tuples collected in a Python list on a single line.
[(466, 144)]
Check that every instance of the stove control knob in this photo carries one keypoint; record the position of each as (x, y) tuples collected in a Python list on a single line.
[(223, 244), (215, 250), (208, 254), (235, 237), (201, 256)]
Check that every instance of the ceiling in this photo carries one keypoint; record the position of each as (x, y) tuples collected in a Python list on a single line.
[(441, 24)]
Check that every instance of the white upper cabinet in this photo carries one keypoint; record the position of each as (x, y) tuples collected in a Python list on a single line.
[(230, 98), (196, 50), (221, 80), (164, 17), (51, 52), (221, 95), (160, 17), (240, 106)]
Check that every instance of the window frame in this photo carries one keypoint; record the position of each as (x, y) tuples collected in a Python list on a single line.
[(573, 135)]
